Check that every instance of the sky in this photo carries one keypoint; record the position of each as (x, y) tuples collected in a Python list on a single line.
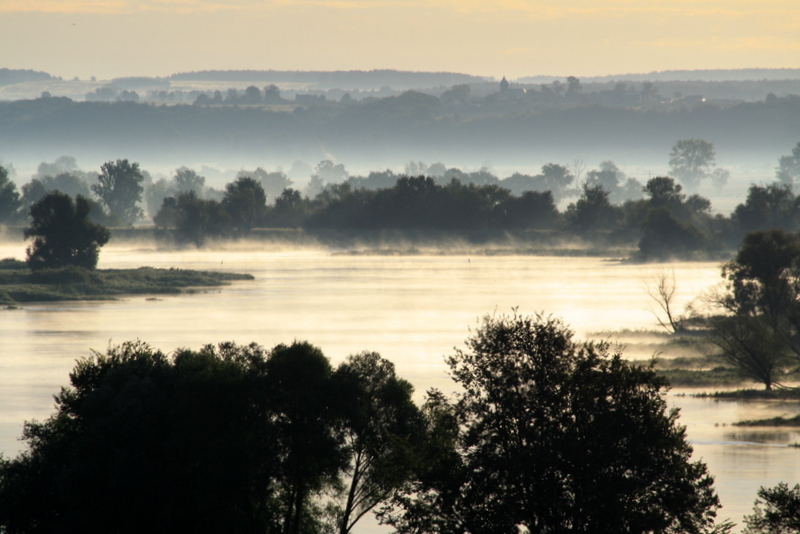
[(512, 38)]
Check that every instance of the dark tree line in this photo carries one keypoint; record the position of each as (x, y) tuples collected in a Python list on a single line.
[(550, 434), (611, 208)]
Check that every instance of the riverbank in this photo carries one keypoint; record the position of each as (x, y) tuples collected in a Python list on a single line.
[(20, 285)]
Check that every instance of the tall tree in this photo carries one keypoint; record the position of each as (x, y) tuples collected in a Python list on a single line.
[(63, 234), (120, 189), (559, 436), (245, 201), (761, 329), (301, 390), (382, 428), (691, 161)]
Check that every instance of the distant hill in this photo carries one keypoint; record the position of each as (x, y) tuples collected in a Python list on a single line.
[(352, 79), (711, 75), (11, 76)]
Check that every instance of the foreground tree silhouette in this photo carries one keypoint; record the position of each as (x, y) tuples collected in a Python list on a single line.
[(63, 234), (225, 439), (382, 428), (561, 437), (776, 511)]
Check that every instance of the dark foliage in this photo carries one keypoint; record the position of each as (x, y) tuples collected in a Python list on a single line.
[(63, 234), (560, 437), (120, 189), (760, 332), (776, 511)]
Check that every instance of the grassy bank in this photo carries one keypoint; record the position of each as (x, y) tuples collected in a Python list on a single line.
[(19, 285)]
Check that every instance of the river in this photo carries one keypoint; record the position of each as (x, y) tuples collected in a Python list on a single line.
[(412, 309)]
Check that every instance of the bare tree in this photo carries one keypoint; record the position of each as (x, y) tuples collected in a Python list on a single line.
[(662, 290)]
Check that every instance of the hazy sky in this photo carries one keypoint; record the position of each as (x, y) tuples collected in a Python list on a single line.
[(110, 38)]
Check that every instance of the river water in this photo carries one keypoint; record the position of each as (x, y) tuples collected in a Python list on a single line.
[(412, 309)]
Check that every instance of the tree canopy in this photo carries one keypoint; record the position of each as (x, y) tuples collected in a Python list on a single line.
[(120, 189), (559, 436), (63, 234), (760, 331)]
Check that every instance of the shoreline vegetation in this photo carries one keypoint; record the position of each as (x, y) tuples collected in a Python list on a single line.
[(18, 284)]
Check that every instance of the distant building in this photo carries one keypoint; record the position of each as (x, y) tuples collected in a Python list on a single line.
[(504, 85)]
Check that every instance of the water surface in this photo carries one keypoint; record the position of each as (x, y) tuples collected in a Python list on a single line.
[(411, 309)]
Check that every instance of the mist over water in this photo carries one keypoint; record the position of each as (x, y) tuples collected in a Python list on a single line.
[(412, 309)]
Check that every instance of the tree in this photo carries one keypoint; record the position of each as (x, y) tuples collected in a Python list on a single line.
[(245, 201), (300, 388), (142, 441), (691, 161), (120, 189), (776, 511), (788, 171), (664, 192), (382, 427), (663, 294), (768, 206), (195, 219), (593, 211), (188, 180), (9, 197), (559, 436), (760, 330), (63, 234), (666, 237)]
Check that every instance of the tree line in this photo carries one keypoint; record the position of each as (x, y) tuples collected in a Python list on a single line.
[(611, 208), (411, 121), (549, 434)]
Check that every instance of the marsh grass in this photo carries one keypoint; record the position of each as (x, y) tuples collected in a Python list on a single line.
[(790, 394), (18, 284), (774, 421)]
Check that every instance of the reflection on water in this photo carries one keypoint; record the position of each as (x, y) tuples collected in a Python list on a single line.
[(411, 309)]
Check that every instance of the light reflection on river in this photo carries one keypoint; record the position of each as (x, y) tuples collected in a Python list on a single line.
[(411, 309)]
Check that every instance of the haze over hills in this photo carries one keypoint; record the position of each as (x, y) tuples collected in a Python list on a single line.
[(706, 75), (17, 84)]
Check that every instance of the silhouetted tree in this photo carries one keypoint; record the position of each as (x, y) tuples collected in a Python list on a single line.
[(666, 237), (761, 329), (63, 234), (559, 436), (301, 389), (142, 441), (592, 212), (245, 202), (383, 428), (197, 219), (120, 189), (776, 511), (768, 206)]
